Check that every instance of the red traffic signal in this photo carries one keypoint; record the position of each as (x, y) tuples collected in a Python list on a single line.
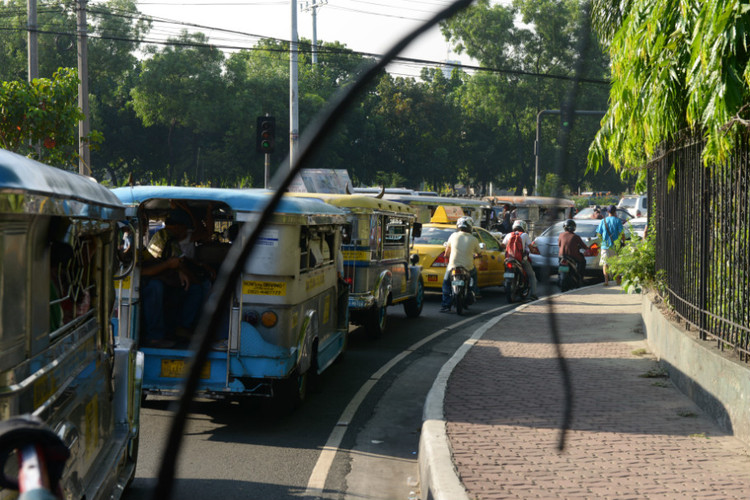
[(266, 134)]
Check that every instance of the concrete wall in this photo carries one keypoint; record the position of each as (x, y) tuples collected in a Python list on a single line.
[(718, 382)]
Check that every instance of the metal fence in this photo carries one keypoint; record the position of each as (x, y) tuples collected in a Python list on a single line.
[(702, 222)]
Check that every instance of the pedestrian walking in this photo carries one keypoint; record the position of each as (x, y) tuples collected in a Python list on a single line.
[(610, 230)]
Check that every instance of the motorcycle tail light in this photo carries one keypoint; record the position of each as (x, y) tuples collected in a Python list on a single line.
[(509, 266), (440, 261)]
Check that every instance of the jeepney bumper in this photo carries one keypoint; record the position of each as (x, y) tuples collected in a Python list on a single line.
[(361, 301)]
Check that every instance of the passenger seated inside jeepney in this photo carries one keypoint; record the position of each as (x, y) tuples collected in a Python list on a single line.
[(173, 287)]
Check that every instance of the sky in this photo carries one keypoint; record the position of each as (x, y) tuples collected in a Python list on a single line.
[(370, 26)]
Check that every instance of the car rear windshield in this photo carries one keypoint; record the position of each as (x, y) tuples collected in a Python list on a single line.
[(628, 202), (582, 230), (434, 236)]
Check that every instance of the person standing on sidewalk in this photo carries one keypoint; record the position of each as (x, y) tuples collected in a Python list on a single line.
[(610, 230), (460, 250)]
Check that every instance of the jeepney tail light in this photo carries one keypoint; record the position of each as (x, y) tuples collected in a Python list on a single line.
[(593, 250), (534, 249), (440, 261), (269, 319)]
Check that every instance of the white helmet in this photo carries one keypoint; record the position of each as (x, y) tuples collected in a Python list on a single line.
[(465, 223), (519, 224)]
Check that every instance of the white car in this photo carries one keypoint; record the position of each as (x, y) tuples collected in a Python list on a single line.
[(637, 226), (544, 249), (637, 205)]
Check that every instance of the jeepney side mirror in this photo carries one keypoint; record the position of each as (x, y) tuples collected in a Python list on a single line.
[(414, 259), (416, 232), (482, 246)]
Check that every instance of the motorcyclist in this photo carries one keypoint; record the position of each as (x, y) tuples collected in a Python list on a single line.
[(460, 249), (519, 227), (571, 245)]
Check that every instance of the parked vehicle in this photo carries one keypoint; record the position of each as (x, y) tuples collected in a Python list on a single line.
[(59, 361), (568, 276), (637, 226), (287, 319), (378, 264), (517, 286), (430, 247), (636, 205), (461, 284)]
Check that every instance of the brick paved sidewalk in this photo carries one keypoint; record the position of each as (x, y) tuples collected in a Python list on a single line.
[(632, 435)]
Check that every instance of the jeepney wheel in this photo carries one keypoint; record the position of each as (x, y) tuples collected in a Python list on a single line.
[(413, 306), (375, 321)]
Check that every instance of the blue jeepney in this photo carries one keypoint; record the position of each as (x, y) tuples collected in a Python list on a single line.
[(285, 323), (59, 361)]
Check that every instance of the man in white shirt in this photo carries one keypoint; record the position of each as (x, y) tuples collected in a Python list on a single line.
[(460, 250)]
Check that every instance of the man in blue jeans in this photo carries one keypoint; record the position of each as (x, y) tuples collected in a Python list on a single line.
[(172, 297), (610, 230)]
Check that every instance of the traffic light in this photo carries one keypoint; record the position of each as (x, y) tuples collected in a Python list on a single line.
[(266, 134)]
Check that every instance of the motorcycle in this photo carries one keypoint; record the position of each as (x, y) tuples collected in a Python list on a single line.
[(517, 285), (568, 276), (461, 285)]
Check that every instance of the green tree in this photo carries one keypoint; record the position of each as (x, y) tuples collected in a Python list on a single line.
[(181, 88), (44, 112), (533, 59), (677, 69)]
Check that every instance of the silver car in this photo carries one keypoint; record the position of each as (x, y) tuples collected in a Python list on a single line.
[(544, 249)]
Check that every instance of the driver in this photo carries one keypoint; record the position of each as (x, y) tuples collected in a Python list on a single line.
[(460, 249), (519, 227), (572, 245)]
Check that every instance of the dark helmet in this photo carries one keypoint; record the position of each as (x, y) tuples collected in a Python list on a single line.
[(570, 225)]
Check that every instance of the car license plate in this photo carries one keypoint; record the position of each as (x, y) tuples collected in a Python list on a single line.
[(458, 282), (563, 269), (175, 368), (509, 275)]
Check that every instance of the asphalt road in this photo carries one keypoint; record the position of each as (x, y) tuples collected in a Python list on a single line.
[(355, 438)]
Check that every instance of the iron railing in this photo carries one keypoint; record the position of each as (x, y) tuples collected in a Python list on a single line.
[(702, 220)]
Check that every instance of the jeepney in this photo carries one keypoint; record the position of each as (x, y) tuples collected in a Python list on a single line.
[(426, 205), (58, 358), (378, 265), (286, 322), (539, 212)]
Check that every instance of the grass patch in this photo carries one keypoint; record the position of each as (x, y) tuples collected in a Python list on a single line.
[(639, 352), (687, 413), (699, 435), (660, 383)]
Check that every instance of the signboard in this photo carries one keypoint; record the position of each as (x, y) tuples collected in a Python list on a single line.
[(321, 180)]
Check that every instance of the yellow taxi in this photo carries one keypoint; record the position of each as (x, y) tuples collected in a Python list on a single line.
[(431, 250)]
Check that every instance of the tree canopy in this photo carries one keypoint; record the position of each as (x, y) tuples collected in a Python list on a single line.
[(185, 112), (678, 69)]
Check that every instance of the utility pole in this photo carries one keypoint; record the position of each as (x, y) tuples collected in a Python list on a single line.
[(33, 48), (536, 142), (314, 6), (293, 89), (84, 156)]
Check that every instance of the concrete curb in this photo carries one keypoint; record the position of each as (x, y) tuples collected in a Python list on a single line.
[(438, 476)]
